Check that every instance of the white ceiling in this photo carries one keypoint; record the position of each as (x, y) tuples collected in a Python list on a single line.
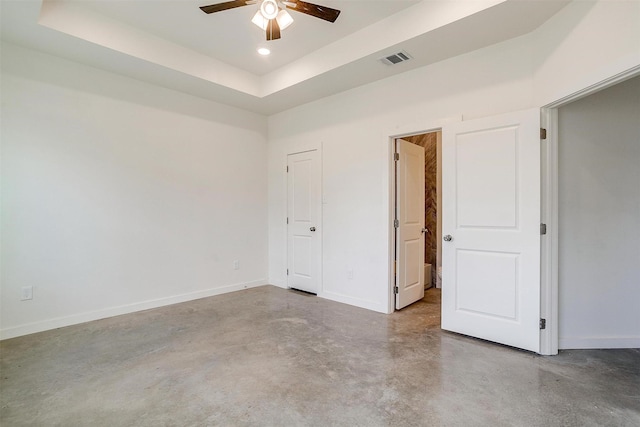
[(173, 44), (231, 37)]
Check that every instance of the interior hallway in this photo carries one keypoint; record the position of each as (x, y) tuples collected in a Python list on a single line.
[(268, 356)]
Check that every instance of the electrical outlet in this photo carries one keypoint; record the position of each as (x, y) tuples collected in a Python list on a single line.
[(236, 265), (27, 293), (350, 273)]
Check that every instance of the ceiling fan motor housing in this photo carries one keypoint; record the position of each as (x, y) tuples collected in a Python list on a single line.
[(269, 9)]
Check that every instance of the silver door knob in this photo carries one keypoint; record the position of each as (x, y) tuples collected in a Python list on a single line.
[(312, 229), (447, 238), (424, 230)]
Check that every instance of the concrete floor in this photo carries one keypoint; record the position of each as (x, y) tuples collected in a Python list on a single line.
[(271, 357)]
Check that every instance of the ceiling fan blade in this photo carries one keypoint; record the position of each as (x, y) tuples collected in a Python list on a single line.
[(219, 7), (273, 30), (322, 12)]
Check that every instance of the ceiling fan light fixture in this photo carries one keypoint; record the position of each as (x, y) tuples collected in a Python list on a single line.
[(260, 20), (272, 17), (284, 20), (269, 9)]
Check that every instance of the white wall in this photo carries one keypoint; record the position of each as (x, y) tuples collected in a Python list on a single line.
[(352, 129), (585, 43), (118, 195), (599, 230)]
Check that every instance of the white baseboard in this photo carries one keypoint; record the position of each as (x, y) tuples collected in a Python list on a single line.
[(583, 343), (279, 283), (369, 305), (59, 322)]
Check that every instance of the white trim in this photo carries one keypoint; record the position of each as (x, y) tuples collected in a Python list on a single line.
[(549, 243), (279, 283), (438, 265), (388, 139), (320, 218), (549, 286), (302, 147), (59, 322), (599, 77), (570, 343), (357, 302), (388, 201), (596, 87)]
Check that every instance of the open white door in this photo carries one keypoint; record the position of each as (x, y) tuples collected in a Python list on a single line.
[(491, 229), (303, 215), (410, 223)]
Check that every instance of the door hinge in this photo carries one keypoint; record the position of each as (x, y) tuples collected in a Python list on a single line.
[(396, 156), (543, 229), (287, 220), (396, 223), (543, 323), (543, 133), (395, 290), (287, 169), (287, 271)]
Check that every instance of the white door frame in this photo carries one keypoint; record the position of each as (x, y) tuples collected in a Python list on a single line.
[(389, 149), (549, 205), (297, 148)]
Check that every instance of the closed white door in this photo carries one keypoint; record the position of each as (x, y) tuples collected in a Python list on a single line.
[(410, 223), (491, 229), (303, 215)]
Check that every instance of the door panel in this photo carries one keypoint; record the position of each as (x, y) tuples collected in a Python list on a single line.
[(486, 196), (491, 210), (303, 204), (503, 286), (410, 213)]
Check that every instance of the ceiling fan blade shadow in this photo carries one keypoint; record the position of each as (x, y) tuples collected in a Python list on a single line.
[(219, 7), (322, 12), (273, 30)]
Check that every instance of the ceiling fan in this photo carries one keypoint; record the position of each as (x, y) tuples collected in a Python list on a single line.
[(272, 15)]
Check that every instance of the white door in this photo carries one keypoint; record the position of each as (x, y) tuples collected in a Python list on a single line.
[(410, 226), (491, 229), (303, 215)]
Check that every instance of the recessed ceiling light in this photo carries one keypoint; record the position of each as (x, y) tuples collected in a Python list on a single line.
[(264, 51)]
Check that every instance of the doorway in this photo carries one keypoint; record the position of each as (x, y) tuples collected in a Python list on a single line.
[(599, 219), (417, 224), (550, 292), (490, 228)]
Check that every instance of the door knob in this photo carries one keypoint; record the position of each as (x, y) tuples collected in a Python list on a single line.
[(424, 230), (312, 229), (447, 238)]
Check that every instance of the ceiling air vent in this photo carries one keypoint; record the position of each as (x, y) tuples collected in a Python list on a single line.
[(396, 58)]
